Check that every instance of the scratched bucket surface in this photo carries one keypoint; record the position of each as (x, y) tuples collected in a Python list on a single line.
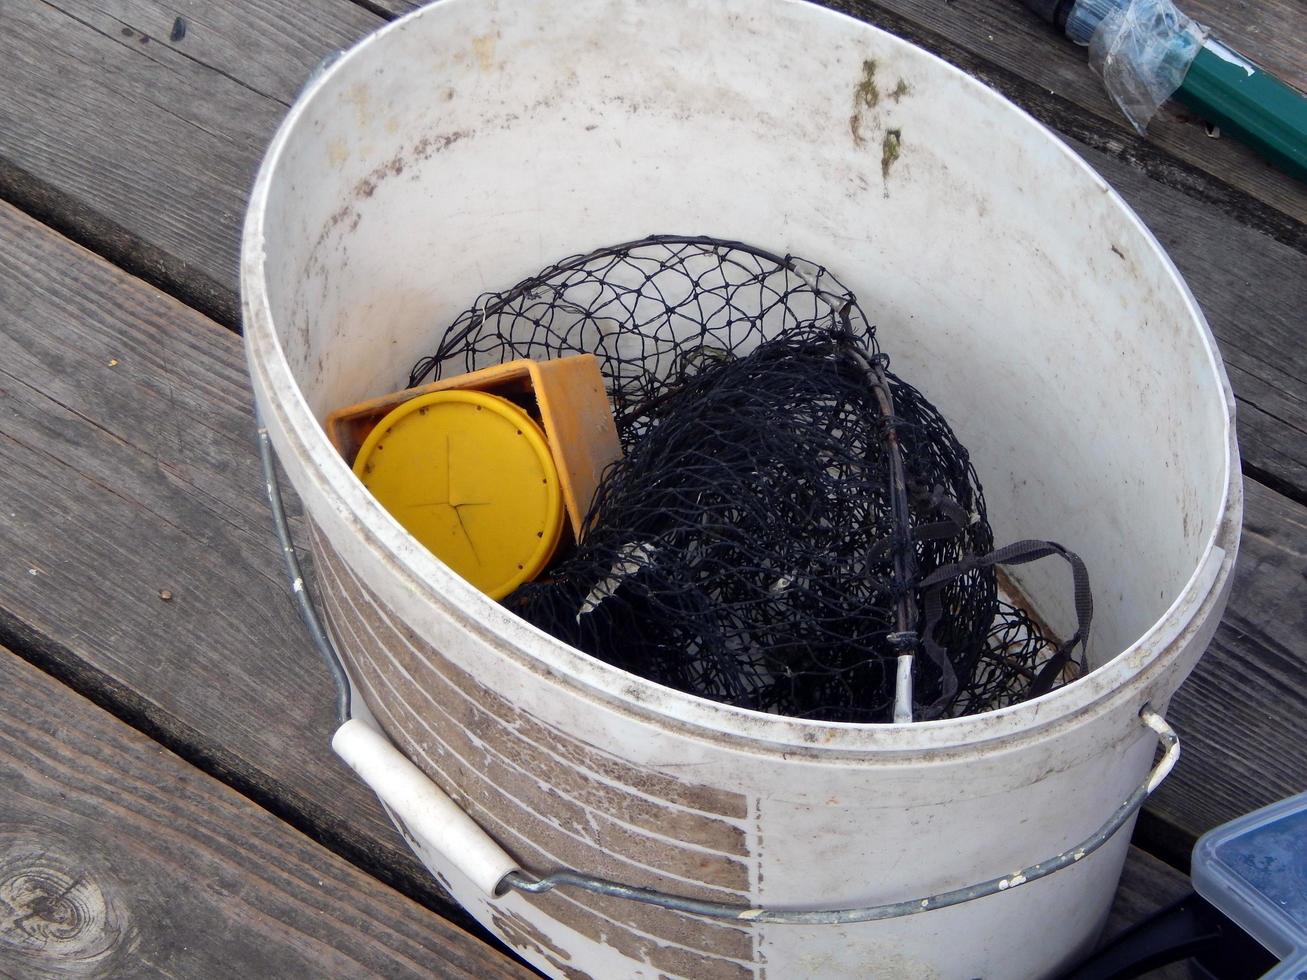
[(472, 143)]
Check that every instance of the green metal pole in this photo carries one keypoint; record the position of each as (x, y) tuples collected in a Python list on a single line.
[(1250, 104), (1221, 86)]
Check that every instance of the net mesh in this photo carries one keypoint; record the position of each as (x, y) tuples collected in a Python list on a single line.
[(789, 518)]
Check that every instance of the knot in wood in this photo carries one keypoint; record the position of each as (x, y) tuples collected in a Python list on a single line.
[(55, 919)]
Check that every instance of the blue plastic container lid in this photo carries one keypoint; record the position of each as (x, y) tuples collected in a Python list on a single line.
[(1254, 870)]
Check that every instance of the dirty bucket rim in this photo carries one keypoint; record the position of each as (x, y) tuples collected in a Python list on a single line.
[(295, 430)]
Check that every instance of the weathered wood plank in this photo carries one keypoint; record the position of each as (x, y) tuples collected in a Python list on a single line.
[(391, 8), (148, 145), (242, 42), (1242, 716), (1146, 885), (119, 859), (127, 425)]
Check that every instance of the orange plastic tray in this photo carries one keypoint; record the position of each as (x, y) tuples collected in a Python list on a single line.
[(566, 396)]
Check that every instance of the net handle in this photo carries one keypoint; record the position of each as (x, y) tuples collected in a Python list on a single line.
[(905, 637)]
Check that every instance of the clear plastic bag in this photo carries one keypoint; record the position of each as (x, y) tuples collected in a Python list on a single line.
[(1142, 49)]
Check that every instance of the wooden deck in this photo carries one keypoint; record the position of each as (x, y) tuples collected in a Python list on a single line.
[(169, 804)]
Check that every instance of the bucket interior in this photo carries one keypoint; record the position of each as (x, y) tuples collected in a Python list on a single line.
[(470, 146)]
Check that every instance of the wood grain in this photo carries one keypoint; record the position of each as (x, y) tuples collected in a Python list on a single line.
[(126, 422), (239, 44), (148, 146), (1242, 715), (119, 859), (126, 447), (390, 8)]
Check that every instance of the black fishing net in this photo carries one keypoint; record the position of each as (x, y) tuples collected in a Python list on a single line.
[(790, 521)]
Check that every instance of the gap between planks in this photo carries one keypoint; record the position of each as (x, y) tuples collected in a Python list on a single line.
[(117, 858)]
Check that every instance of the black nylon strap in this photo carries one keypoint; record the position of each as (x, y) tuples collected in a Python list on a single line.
[(1017, 553), (932, 609)]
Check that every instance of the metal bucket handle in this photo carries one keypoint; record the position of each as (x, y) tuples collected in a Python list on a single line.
[(431, 816)]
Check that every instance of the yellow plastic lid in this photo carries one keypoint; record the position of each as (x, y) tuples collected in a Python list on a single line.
[(469, 475)]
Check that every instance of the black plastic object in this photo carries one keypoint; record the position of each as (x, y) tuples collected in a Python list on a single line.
[(1053, 11), (1190, 929)]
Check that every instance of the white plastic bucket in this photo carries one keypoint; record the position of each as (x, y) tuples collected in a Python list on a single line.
[(474, 142)]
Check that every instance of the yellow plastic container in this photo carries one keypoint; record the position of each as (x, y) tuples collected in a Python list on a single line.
[(565, 396), (470, 475)]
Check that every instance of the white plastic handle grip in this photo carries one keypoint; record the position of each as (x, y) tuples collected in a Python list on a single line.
[(421, 806)]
